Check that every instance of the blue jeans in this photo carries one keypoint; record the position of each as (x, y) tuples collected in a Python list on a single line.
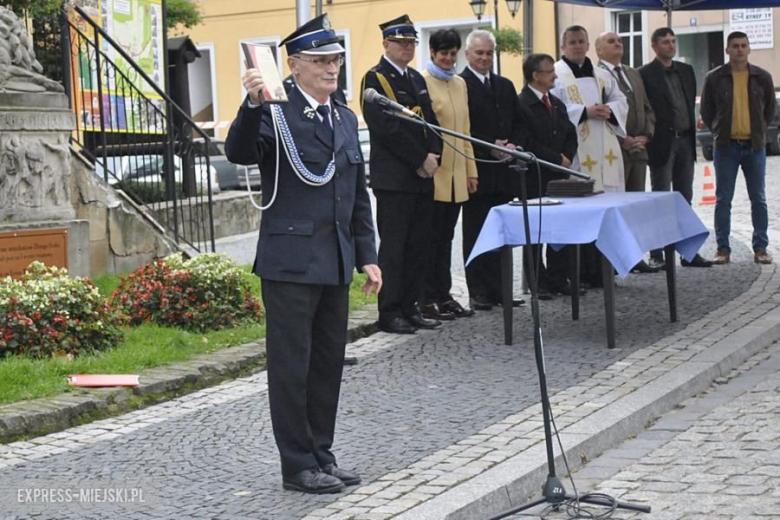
[(753, 163)]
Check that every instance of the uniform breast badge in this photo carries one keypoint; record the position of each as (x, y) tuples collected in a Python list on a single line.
[(309, 112)]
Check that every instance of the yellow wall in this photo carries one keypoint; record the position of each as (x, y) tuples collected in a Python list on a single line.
[(226, 22)]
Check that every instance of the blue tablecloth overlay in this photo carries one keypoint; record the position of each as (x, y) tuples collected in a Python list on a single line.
[(624, 226)]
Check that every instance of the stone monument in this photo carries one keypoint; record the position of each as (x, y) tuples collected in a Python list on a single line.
[(37, 219)]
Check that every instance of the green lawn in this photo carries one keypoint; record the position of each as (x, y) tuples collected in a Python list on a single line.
[(145, 346)]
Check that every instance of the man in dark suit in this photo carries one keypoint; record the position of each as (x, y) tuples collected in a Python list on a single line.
[(671, 89), (492, 110), (404, 157), (549, 134), (316, 229)]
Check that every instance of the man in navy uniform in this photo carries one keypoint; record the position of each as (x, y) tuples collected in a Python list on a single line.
[(404, 157), (316, 229)]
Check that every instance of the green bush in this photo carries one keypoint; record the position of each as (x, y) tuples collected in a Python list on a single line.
[(208, 292), (46, 313)]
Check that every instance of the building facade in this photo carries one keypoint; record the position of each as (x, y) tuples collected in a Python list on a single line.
[(215, 78)]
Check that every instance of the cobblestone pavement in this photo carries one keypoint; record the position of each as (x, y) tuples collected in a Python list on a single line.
[(419, 415), (717, 457)]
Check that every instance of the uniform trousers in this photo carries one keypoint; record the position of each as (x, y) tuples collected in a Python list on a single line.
[(404, 223), (306, 336)]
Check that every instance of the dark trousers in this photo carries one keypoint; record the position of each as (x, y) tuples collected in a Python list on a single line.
[(306, 335), (555, 274), (483, 274), (404, 222), (676, 174), (437, 285)]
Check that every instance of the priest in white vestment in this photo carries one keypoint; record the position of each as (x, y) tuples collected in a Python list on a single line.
[(598, 109)]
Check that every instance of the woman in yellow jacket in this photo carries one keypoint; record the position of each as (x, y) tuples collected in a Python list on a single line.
[(455, 178)]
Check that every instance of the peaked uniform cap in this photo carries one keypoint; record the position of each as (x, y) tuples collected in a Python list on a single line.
[(314, 37), (400, 28)]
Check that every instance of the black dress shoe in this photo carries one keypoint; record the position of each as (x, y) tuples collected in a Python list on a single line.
[(565, 290), (515, 303), (698, 261), (456, 309), (543, 294), (642, 267), (432, 312), (659, 263), (313, 481), (423, 323), (480, 304), (396, 326), (349, 478)]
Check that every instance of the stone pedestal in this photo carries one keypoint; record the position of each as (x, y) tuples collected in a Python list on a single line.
[(35, 175)]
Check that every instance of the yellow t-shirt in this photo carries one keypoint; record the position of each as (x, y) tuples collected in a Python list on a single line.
[(740, 114)]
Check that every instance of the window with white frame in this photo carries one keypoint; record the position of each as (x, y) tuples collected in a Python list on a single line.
[(628, 25), (203, 88), (345, 74)]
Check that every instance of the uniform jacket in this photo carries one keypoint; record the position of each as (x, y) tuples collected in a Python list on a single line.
[(399, 148), (545, 135), (493, 117), (308, 228), (641, 118), (717, 100), (450, 104), (653, 76)]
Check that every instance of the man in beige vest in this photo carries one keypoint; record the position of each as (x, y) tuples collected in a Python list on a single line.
[(640, 120)]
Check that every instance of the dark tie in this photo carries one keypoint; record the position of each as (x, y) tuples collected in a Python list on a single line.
[(547, 103), (621, 79), (488, 85), (324, 111)]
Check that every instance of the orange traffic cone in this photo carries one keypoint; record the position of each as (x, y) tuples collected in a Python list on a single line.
[(708, 196)]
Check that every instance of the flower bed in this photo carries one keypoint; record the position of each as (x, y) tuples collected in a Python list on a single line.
[(208, 292), (46, 313)]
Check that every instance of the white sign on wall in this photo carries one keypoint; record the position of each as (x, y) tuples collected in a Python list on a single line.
[(756, 23)]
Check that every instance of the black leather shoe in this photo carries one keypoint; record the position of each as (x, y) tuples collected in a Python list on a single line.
[(456, 309), (480, 304), (397, 326), (515, 303), (656, 263), (432, 312), (642, 267), (564, 290), (698, 261), (544, 294), (313, 481), (423, 323), (349, 478)]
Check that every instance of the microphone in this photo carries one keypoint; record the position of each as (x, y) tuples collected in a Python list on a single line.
[(372, 96)]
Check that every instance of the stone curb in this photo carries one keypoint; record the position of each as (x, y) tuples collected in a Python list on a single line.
[(51, 414), (510, 483)]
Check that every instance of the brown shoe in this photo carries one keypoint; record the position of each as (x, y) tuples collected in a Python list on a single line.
[(722, 257), (760, 256)]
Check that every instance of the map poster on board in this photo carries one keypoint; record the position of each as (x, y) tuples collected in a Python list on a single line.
[(137, 26), (756, 23)]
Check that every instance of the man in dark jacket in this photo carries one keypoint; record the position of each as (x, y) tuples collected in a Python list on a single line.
[(316, 229), (671, 89), (492, 110), (404, 157), (549, 134), (737, 104)]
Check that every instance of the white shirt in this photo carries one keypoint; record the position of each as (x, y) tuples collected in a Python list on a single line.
[(314, 103), (482, 77), (538, 93), (396, 67)]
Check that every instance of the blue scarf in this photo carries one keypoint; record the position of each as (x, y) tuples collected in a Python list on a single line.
[(439, 73)]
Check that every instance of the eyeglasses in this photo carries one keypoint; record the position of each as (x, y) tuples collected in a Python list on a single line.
[(546, 71), (323, 62)]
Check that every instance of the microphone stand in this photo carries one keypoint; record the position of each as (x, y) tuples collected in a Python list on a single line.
[(553, 492)]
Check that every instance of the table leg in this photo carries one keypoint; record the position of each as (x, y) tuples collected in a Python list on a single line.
[(574, 277), (506, 291), (608, 276), (671, 281)]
